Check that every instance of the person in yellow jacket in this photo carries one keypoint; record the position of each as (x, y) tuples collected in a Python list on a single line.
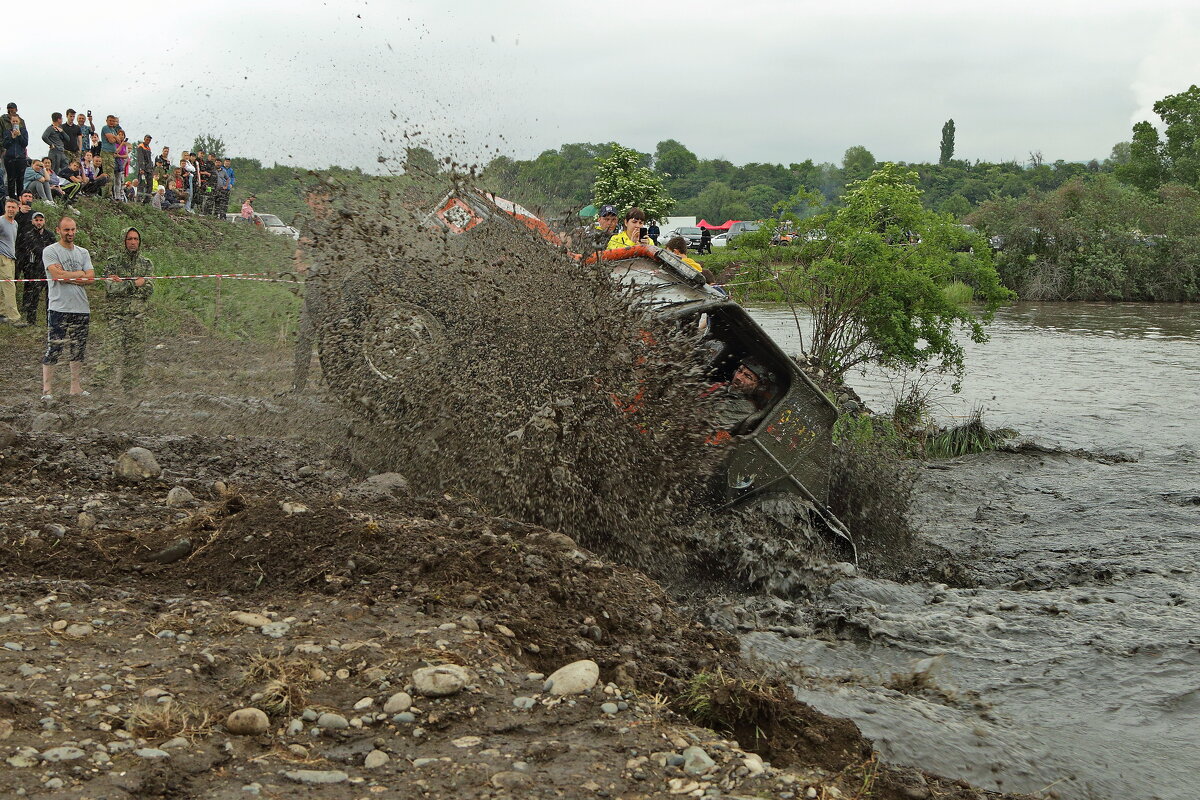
[(678, 246), (632, 236)]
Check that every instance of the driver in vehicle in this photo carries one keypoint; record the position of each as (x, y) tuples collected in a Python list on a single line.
[(740, 398)]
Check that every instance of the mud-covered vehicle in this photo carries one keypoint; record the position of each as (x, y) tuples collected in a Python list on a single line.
[(778, 457)]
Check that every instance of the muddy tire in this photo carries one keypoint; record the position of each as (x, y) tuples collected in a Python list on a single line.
[(377, 347)]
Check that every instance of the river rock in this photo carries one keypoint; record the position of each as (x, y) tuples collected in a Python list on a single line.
[(80, 629), (151, 753), (8, 436), (440, 681), (574, 678), (696, 761), (375, 759), (247, 722), (400, 701), (85, 521), (249, 619), (332, 721), (63, 754), (180, 548), (510, 779), (136, 464), (313, 777), (179, 496), (754, 763)]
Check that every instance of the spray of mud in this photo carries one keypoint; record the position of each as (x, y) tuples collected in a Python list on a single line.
[(495, 366)]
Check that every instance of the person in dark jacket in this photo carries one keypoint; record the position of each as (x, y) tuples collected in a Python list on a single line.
[(33, 241), (127, 296), (14, 139), (56, 139), (145, 170), (705, 241)]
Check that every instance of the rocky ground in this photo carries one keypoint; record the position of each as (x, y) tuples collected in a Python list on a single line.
[(202, 599)]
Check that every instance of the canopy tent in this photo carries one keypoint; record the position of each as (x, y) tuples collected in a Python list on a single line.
[(722, 227)]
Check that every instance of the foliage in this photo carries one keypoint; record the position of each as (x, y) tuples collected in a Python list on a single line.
[(946, 148), (1180, 114), (1098, 239), (210, 145), (1143, 166), (622, 181), (872, 273)]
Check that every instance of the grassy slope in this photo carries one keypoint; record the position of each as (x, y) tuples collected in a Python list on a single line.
[(183, 244)]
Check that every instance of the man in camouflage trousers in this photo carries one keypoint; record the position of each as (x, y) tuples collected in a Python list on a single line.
[(127, 294)]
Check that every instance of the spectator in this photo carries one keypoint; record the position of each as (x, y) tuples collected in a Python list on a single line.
[(95, 148), (159, 200), (37, 182), (232, 177), (73, 130), (8, 264), (86, 129), (705, 242), (108, 154), (72, 180), (121, 162), (63, 184), (68, 271), (678, 246), (14, 138), (59, 185), (189, 179), (24, 214), (56, 139), (248, 210), (162, 164), (145, 169), (36, 238), (653, 231), (631, 236), (221, 193), (126, 295), (93, 178)]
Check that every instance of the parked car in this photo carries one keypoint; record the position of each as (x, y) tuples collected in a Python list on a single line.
[(268, 222), (738, 228), (720, 240), (273, 224), (690, 235)]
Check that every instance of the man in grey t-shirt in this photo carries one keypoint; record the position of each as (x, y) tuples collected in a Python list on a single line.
[(68, 271), (8, 264)]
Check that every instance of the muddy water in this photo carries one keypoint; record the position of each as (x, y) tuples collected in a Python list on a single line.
[(1075, 664)]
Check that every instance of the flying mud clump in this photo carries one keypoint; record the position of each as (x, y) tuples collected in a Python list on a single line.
[(494, 365)]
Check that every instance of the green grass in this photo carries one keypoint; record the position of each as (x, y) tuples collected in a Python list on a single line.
[(184, 244), (958, 293), (972, 436)]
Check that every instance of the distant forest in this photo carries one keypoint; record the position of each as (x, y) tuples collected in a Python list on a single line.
[(715, 189)]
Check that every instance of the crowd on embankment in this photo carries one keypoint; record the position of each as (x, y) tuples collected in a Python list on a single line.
[(84, 157)]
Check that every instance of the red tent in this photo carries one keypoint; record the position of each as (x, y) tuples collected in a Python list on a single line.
[(723, 227)]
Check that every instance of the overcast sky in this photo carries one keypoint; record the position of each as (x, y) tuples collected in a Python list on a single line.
[(317, 83)]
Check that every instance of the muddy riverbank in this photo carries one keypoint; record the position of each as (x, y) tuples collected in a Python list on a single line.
[(252, 569)]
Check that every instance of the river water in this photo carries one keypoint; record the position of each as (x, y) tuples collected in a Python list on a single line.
[(1074, 667)]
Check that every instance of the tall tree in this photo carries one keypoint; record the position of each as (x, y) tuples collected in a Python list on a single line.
[(1145, 166), (1181, 151), (211, 145), (672, 159), (623, 182), (857, 164), (947, 147)]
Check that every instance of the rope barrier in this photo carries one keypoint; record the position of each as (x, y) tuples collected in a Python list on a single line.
[(249, 276)]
